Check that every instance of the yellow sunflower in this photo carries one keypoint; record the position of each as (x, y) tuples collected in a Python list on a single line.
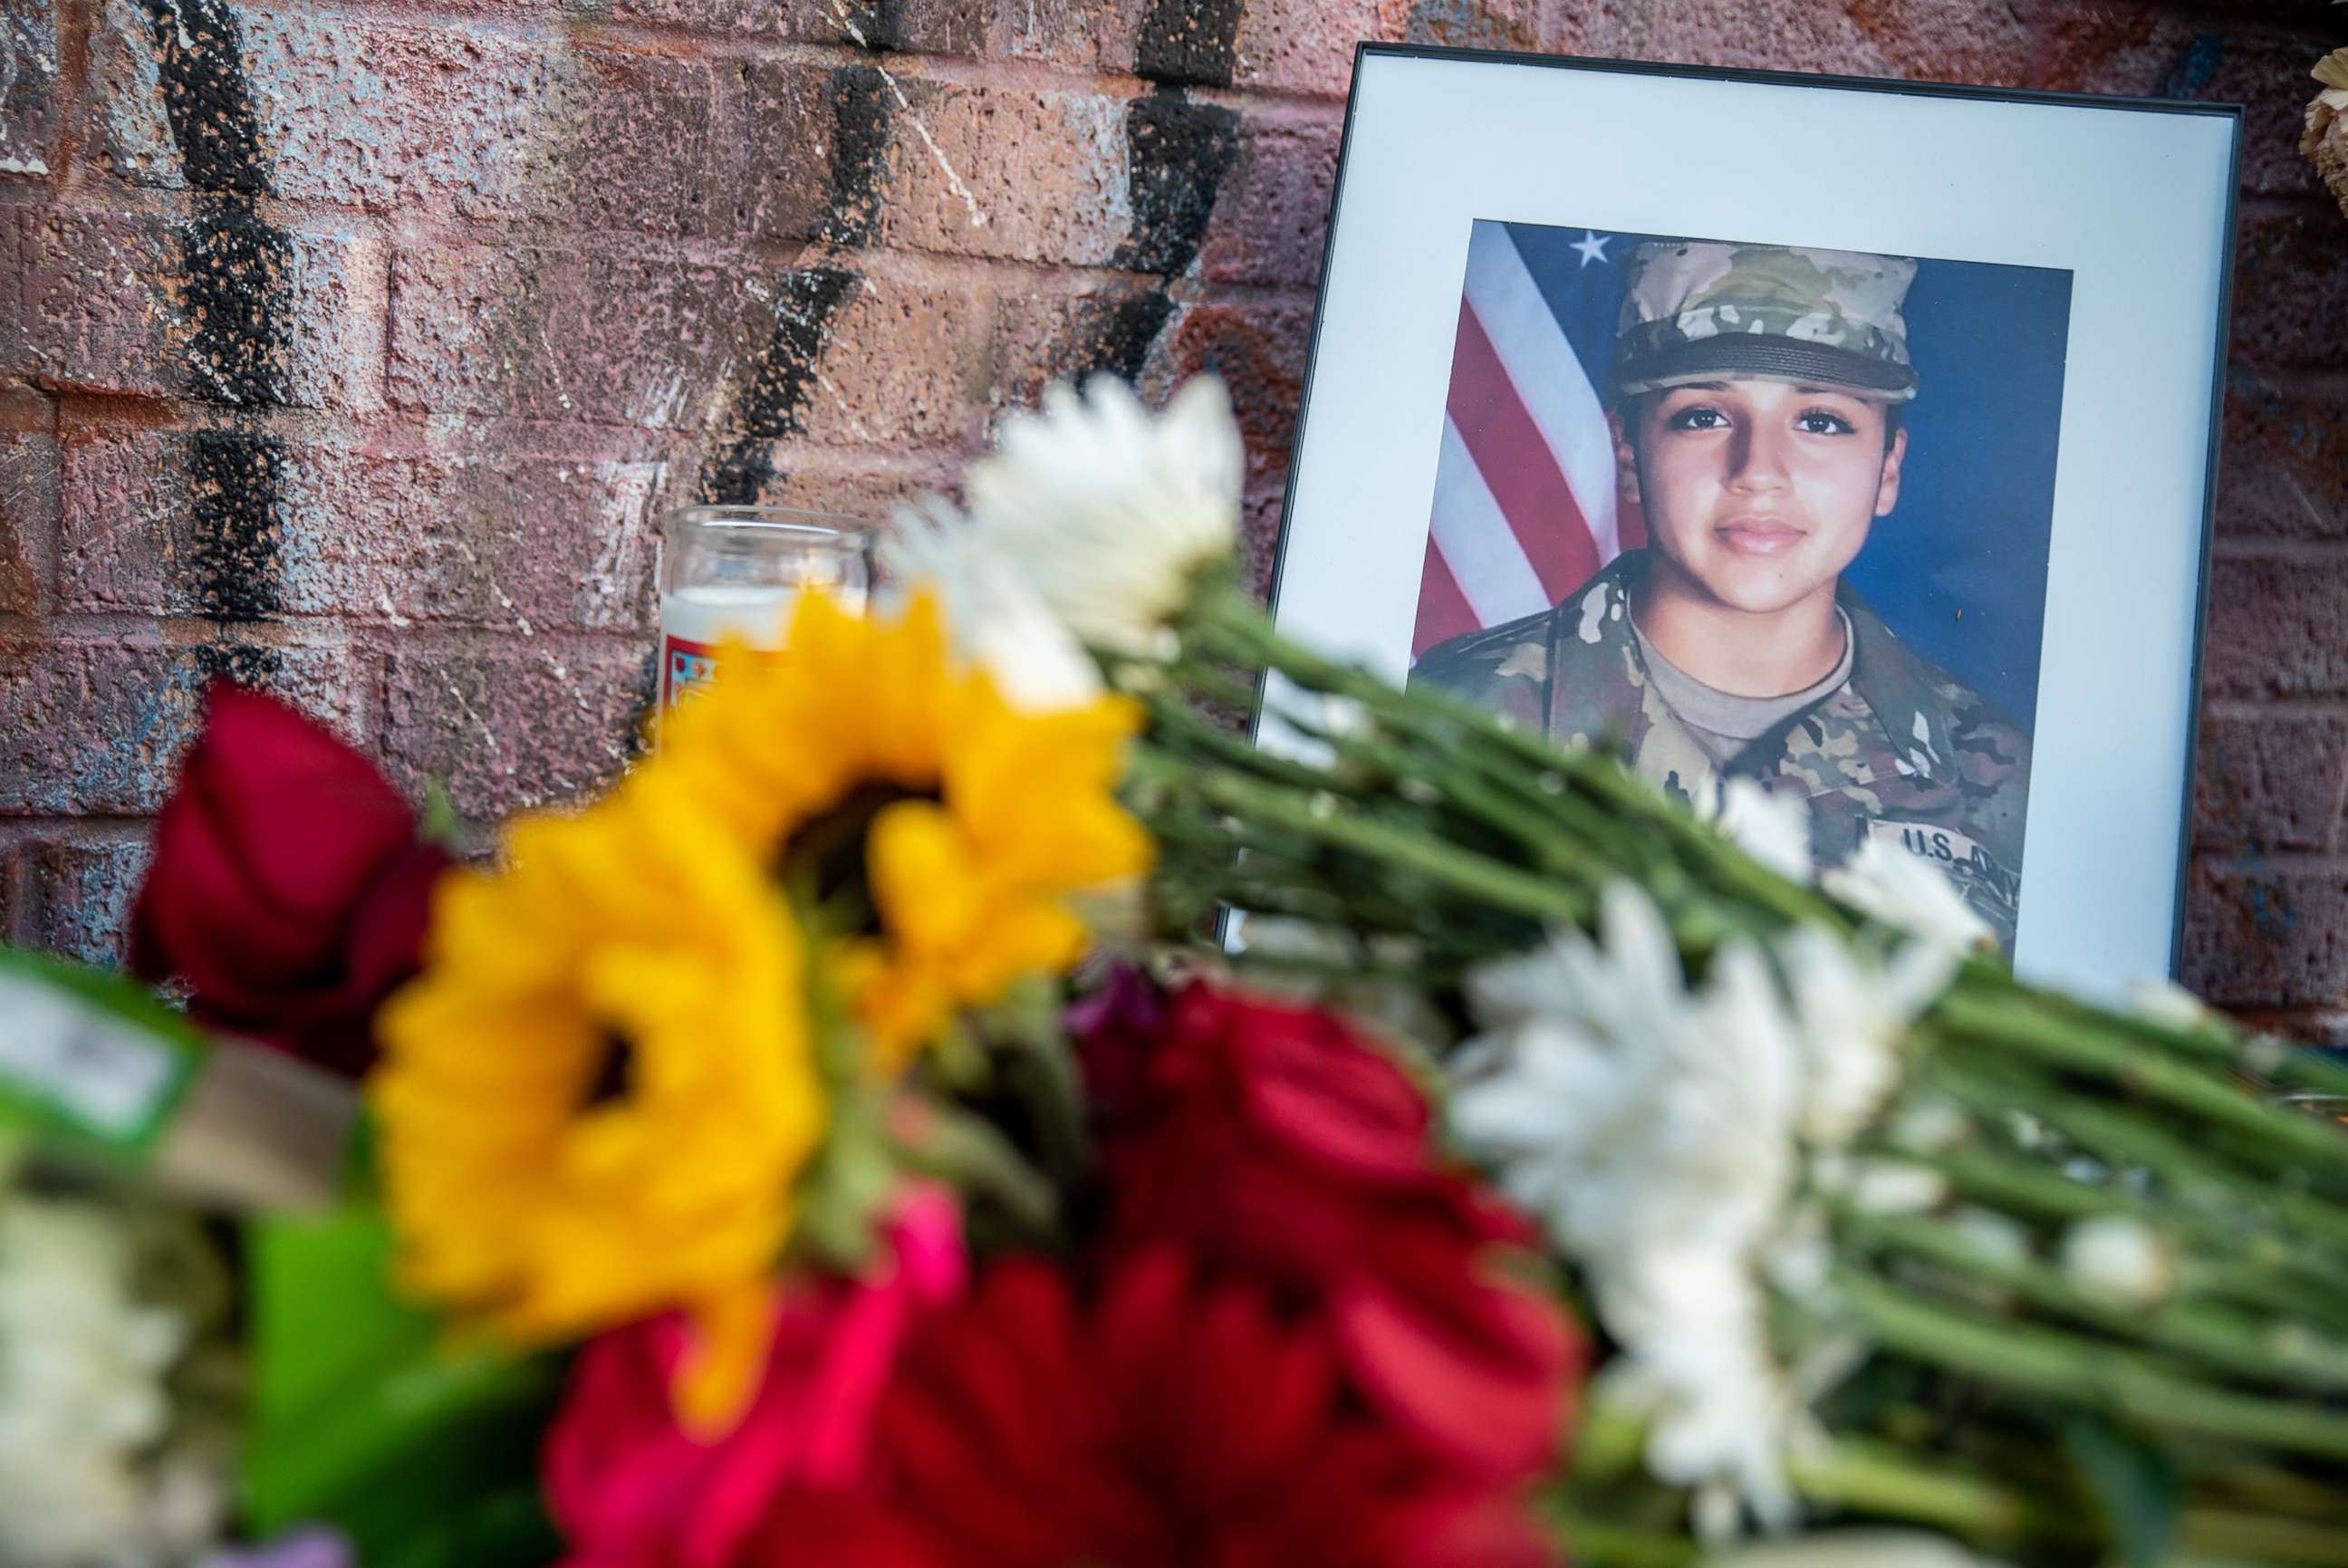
[(595, 1098), (865, 756)]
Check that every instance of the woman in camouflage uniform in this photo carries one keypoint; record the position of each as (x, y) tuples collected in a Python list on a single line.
[(1755, 405)]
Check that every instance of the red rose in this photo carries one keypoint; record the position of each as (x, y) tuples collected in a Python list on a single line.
[(289, 891), (1176, 1420), (1274, 1141), (629, 1489)]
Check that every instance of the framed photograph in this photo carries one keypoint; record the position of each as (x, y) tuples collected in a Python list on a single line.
[(1856, 437)]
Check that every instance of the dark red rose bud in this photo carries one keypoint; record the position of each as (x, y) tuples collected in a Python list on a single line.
[(289, 891)]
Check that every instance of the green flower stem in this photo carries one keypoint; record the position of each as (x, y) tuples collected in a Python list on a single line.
[(2233, 1200), (2034, 1359), (2006, 1182), (2015, 1020), (1878, 1479), (1452, 727), (2240, 1346), (2262, 1538), (1597, 1544), (1342, 827)]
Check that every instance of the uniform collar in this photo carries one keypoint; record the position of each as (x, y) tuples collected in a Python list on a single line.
[(1899, 689), (1597, 673)]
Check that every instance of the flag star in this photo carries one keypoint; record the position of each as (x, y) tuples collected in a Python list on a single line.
[(1592, 246)]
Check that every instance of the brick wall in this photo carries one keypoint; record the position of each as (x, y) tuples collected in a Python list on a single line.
[(352, 347)]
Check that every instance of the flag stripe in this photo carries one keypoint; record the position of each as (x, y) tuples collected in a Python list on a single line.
[(1559, 391), (1443, 610), (1485, 560), (1517, 465)]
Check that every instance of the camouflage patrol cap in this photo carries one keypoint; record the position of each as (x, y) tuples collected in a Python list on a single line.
[(1696, 310)]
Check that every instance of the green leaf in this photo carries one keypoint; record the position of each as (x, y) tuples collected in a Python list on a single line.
[(365, 1416), (438, 822), (88, 1058), (2132, 1484)]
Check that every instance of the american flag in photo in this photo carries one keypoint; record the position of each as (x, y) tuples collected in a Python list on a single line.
[(1525, 509)]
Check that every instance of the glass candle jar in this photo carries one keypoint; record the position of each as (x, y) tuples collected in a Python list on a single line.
[(736, 571)]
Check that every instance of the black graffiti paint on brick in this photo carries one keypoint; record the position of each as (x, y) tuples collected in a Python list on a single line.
[(956, 27), (773, 403), (234, 478), (862, 117), (236, 264), (235, 286), (1189, 41), (1179, 153)]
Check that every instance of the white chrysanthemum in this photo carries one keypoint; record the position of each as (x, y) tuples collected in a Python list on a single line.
[(1107, 514), (2119, 1256), (1853, 1013), (1905, 889), (2167, 1003), (1852, 1549), (1652, 1128), (996, 621), (82, 1393), (1657, 1130), (1773, 828)]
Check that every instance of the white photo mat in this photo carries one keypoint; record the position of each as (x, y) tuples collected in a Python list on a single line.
[(2135, 200)]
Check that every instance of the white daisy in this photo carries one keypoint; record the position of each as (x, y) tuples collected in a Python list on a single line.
[(1107, 514), (1773, 828), (996, 619), (1905, 889)]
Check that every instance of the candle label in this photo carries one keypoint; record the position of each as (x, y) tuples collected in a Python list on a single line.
[(685, 667)]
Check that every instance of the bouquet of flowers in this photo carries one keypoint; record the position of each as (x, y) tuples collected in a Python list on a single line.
[(851, 1140)]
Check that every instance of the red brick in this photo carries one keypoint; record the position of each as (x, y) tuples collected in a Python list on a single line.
[(2268, 781), (1080, 35), (127, 131), (2123, 48), (906, 366), (79, 892), (780, 195), (16, 914), (28, 517), (1951, 40), (29, 100), (461, 119), (103, 308), (1307, 46), (852, 484), (2291, 292), (2284, 470), (2278, 627), (624, 338), (97, 726), (2259, 935), (915, 26), (516, 724), (548, 542), (1729, 32), (1511, 25), (1259, 548), (1028, 176), (1272, 213), (1258, 349)]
